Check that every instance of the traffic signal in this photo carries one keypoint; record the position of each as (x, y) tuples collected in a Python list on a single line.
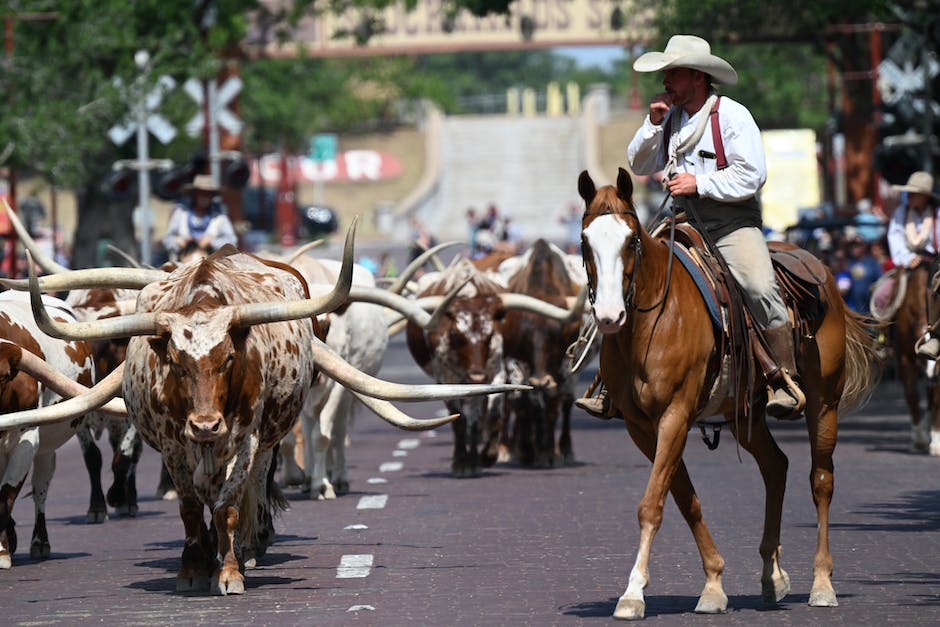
[(170, 185), (120, 183), (897, 162)]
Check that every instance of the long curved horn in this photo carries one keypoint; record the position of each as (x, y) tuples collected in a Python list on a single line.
[(438, 304), (133, 263), (537, 306), (40, 370), (104, 329), (354, 379), (419, 261), (394, 416), (262, 313), (405, 306), (397, 327), (130, 278), (46, 262), (92, 399), (303, 249)]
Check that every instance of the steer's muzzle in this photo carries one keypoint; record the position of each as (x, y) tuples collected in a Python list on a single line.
[(205, 428), (476, 376)]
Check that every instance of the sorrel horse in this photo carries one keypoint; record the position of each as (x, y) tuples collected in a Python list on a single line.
[(659, 359), (910, 323)]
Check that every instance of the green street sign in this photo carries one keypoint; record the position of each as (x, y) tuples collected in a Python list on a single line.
[(323, 147)]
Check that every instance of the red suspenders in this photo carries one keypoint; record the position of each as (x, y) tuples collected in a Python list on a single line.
[(720, 160)]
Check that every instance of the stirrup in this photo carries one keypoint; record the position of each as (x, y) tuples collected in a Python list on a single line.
[(779, 409), (928, 348), (597, 406)]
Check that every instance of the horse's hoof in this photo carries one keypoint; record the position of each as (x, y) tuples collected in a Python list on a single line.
[(712, 603), (341, 486), (170, 495), (776, 588), (823, 598), (6, 561), (630, 609)]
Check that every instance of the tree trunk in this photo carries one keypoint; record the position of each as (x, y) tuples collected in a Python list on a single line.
[(102, 221)]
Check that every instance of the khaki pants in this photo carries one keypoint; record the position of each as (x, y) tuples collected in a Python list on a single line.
[(748, 258)]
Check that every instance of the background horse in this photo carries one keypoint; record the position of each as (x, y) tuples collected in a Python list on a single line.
[(910, 323), (659, 362)]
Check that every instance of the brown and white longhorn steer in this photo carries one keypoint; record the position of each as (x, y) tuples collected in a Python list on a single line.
[(22, 449), (535, 350)]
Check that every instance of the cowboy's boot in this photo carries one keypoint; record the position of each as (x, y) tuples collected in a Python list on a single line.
[(597, 406), (928, 346), (786, 399)]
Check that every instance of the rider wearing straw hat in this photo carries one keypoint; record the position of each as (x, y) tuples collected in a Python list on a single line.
[(715, 174), (202, 224), (912, 241)]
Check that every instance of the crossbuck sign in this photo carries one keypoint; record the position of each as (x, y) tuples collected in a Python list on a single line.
[(155, 123), (223, 97)]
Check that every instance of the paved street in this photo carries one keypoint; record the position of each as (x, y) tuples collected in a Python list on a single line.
[(411, 546)]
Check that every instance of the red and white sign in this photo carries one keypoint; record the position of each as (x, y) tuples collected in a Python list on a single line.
[(351, 165)]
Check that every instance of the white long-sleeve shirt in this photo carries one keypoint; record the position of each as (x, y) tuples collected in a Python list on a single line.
[(744, 151), (898, 246)]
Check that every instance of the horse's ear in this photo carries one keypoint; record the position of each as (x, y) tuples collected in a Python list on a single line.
[(586, 187), (624, 185)]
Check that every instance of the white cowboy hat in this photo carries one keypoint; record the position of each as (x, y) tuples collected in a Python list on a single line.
[(202, 183), (918, 183), (691, 52)]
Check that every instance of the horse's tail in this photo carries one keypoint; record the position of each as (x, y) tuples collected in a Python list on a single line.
[(862, 360)]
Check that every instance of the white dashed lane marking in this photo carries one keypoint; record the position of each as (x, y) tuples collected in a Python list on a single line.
[(399, 453), (354, 566), (372, 501), (375, 480), (409, 443), (355, 527), (391, 467)]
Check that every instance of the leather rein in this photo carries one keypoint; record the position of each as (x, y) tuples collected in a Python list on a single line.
[(629, 291)]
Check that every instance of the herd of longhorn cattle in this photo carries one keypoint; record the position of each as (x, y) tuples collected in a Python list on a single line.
[(236, 364)]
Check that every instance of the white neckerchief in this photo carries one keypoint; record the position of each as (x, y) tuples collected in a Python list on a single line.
[(675, 148)]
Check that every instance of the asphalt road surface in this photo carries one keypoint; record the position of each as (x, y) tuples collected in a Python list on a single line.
[(412, 546)]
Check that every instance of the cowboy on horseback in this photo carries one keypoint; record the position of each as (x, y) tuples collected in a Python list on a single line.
[(714, 175), (912, 241), (200, 224)]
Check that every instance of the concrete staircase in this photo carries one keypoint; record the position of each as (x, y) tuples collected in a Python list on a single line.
[(527, 166)]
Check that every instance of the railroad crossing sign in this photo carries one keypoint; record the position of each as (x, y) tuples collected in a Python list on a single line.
[(155, 123), (220, 112)]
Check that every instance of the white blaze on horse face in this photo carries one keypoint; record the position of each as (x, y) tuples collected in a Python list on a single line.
[(606, 236)]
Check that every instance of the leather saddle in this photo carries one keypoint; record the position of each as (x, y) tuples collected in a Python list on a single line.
[(800, 277)]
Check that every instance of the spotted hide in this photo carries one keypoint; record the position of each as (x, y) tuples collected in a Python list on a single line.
[(466, 347), (358, 332), (34, 447), (535, 354), (216, 397), (98, 304)]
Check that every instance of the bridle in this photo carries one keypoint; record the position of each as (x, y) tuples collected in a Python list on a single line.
[(635, 243)]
